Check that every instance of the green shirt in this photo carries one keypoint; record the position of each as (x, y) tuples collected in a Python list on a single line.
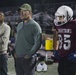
[(28, 39)]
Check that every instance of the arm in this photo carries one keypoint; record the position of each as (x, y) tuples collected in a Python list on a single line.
[(55, 38), (1, 41), (5, 37), (37, 42)]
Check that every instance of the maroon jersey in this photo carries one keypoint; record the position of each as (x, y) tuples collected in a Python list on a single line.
[(67, 38)]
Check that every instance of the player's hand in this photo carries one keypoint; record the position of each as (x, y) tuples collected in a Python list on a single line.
[(72, 57)]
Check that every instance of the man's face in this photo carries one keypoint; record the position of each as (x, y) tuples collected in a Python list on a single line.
[(60, 18), (1, 17), (25, 14)]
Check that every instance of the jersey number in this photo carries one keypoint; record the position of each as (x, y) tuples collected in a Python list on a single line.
[(64, 42)]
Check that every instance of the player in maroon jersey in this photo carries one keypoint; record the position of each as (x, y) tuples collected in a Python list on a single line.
[(66, 31)]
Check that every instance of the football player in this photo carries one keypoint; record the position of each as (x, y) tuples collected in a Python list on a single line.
[(66, 31)]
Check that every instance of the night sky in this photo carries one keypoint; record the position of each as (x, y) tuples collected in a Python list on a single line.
[(6, 3)]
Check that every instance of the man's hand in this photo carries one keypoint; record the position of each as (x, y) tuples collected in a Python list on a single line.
[(26, 56), (14, 55)]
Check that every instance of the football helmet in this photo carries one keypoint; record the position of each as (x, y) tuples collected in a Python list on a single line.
[(63, 15)]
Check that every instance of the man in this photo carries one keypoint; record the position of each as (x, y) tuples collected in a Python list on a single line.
[(28, 41), (66, 29), (4, 40)]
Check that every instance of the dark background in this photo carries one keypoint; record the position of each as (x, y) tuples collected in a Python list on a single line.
[(6, 3)]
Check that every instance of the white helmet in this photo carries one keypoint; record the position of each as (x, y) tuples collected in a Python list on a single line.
[(63, 11)]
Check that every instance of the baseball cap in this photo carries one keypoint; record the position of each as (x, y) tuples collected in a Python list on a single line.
[(25, 7)]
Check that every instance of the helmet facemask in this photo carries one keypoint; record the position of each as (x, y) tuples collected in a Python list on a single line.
[(60, 20)]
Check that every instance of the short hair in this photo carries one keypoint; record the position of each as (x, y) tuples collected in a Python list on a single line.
[(1, 13)]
